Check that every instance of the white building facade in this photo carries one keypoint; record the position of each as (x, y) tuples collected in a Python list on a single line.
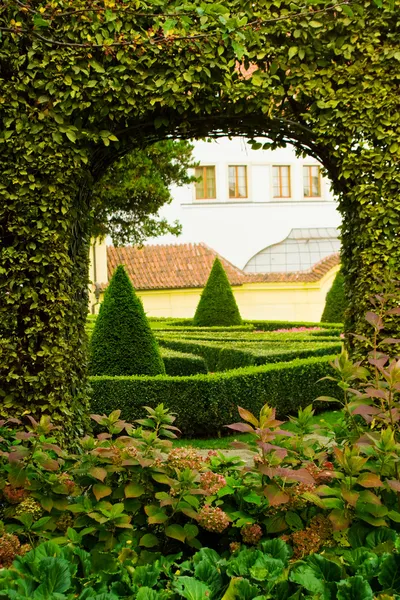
[(262, 210)]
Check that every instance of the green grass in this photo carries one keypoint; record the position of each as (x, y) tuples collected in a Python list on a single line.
[(223, 443)]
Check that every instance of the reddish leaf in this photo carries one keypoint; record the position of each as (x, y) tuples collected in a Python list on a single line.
[(33, 422), (101, 491), (374, 320), (378, 362), (394, 311), (54, 448), (369, 480), (372, 392), (49, 464), (104, 436), (24, 435), (391, 341), (98, 473), (351, 497), (393, 484), (300, 476), (240, 445), (275, 496), (248, 416), (242, 427), (339, 520)]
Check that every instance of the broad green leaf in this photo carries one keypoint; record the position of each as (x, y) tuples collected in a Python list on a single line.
[(176, 531), (148, 540), (354, 588), (133, 490)]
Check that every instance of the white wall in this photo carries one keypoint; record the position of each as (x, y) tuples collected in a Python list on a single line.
[(239, 229)]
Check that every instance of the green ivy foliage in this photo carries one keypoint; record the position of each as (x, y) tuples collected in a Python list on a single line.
[(335, 304), (122, 342), (217, 304), (83, 83)]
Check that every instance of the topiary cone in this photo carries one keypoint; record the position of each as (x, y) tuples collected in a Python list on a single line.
[(335, 304), (122, 342), (217, 305)]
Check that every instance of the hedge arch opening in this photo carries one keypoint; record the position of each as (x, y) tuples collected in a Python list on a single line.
[(82, 86)]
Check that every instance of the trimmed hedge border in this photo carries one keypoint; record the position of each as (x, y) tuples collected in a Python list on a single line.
[(205, 403), (182, 363)]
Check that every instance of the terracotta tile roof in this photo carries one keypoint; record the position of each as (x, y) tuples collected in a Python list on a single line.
[(180, 266), (169, 267), (320, 269)]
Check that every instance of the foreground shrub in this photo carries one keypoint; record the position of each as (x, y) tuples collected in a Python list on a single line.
[(263, 572), (122, 342), (217, 305), (335, 304)]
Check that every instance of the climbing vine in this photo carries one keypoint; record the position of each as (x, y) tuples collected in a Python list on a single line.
[(84, 81)]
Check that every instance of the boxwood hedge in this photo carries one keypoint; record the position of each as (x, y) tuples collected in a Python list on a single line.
[(205, 403), (182, 363), (222, 356)]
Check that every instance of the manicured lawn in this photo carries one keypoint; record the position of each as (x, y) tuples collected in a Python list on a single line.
[(223, 443)]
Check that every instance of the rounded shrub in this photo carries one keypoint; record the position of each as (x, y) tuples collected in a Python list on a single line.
[(122, 342), (335, 304), (217, 305)]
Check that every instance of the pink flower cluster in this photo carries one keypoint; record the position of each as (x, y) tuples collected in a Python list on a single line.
[(185, 458), (298, 330), (213, 519), (251, 534), (212, 482)]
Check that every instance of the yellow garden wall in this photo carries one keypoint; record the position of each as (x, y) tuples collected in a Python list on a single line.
[(298, 301), (275, 301)]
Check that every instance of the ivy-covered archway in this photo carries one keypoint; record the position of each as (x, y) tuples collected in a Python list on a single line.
[(83, 81)]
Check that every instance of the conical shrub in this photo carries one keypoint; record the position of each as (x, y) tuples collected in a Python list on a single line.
[(217, 305), (335, 304), (122, 342)]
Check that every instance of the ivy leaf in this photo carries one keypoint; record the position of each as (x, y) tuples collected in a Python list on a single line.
[(71, 135), (39, 22)]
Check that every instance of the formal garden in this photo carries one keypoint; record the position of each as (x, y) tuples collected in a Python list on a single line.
[(107, 488), (126, 512)]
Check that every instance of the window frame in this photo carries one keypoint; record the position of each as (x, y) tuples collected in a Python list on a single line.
[(280, 182), (310, 167), (204, 178), (236, 197)]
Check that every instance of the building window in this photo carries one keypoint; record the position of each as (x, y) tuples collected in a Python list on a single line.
[(237, 182), (205, 187), (281, 181), (312, 181)]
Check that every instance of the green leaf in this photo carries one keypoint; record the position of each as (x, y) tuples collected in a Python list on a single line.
[(389, 576), (133, 490), (191, 589), (55, 576), (97, 66), (39, 22), (292, 51), (148, 540), (354, 588), (176, 532), (71, 135)]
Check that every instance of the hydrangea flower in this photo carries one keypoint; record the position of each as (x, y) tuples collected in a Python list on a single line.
[(213, 519)]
